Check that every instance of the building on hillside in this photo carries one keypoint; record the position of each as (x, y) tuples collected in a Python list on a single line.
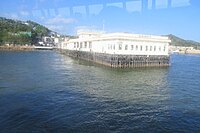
[(46, 41), (119, 49), (180, 49)]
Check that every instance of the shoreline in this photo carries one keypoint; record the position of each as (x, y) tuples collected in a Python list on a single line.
[(16, 48), (193, 52), (31, 48), (190, 52)]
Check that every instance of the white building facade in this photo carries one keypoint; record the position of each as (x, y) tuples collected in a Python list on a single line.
[(119, 43)]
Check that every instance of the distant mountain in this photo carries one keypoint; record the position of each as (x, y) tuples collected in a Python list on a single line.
[(28, 32), (176, 41), (21, 32)]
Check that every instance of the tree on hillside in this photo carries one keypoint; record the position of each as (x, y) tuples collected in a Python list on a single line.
[(20, 32)]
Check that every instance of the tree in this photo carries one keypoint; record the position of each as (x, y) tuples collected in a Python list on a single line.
[(20, 32)]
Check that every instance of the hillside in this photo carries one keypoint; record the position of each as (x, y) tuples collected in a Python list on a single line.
[(176, 41), (28, 32), (21, 32)]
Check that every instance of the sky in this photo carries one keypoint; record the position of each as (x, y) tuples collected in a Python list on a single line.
[(156, 17)]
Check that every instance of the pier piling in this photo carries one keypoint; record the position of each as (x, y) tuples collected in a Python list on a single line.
[(121, 61)]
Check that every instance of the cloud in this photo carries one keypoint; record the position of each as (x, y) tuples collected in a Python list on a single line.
[(87, 28), (58, 20), (11, 15), (56, 27), (24, 13), (60, 24), (62, 29)]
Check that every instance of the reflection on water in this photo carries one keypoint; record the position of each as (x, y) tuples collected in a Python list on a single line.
[(126, 85), (44, 91)]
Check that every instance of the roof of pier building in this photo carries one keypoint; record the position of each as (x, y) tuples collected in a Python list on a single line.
[(98, 36)]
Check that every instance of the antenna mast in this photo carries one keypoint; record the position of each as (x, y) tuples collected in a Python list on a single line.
[(103, 25)]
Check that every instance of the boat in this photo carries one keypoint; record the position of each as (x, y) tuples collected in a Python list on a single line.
[(43, 47)]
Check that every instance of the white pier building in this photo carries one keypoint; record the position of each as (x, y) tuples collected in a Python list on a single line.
[(120, 45)]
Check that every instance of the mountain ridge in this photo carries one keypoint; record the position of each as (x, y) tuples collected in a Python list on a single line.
[(29, 32), (177, 41)]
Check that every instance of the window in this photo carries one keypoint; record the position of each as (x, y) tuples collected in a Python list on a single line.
[(154, 48), (74, 45), (85, 44), (141, 48), (77, 44), (114, 46), (126, 47), (164, 48), (120, 46), (131, 47), (81, 45), (90, 44), (146, 48), (150, 48), (159, 48), (110, 46), (136, 47)]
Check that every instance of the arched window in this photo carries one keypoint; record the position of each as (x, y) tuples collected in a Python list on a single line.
[(126, 47), (150, 48), (164, 48), (132, 47), (81, 45), (120, 45), (136, 47), (77, 44), (159, 48), (90, 44)]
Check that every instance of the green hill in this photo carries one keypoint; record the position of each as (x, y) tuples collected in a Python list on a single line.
[(176, 41), (21, 32), (28, 32)]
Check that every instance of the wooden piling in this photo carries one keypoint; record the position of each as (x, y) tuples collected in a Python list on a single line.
[(120, 61)]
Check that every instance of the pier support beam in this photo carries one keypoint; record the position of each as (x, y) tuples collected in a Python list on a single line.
[(121, 61)]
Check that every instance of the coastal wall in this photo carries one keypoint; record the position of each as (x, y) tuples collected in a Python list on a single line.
[(120, 61), (16, 48), (194, 51)]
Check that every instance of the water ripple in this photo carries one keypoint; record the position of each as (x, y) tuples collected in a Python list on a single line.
[(44, 91)]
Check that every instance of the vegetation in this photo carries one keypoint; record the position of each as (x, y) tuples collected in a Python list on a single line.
[(20, 33), (176, 41), (28, 33)]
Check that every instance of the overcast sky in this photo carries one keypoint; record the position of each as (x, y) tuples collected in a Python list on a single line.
[(158, 17)]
